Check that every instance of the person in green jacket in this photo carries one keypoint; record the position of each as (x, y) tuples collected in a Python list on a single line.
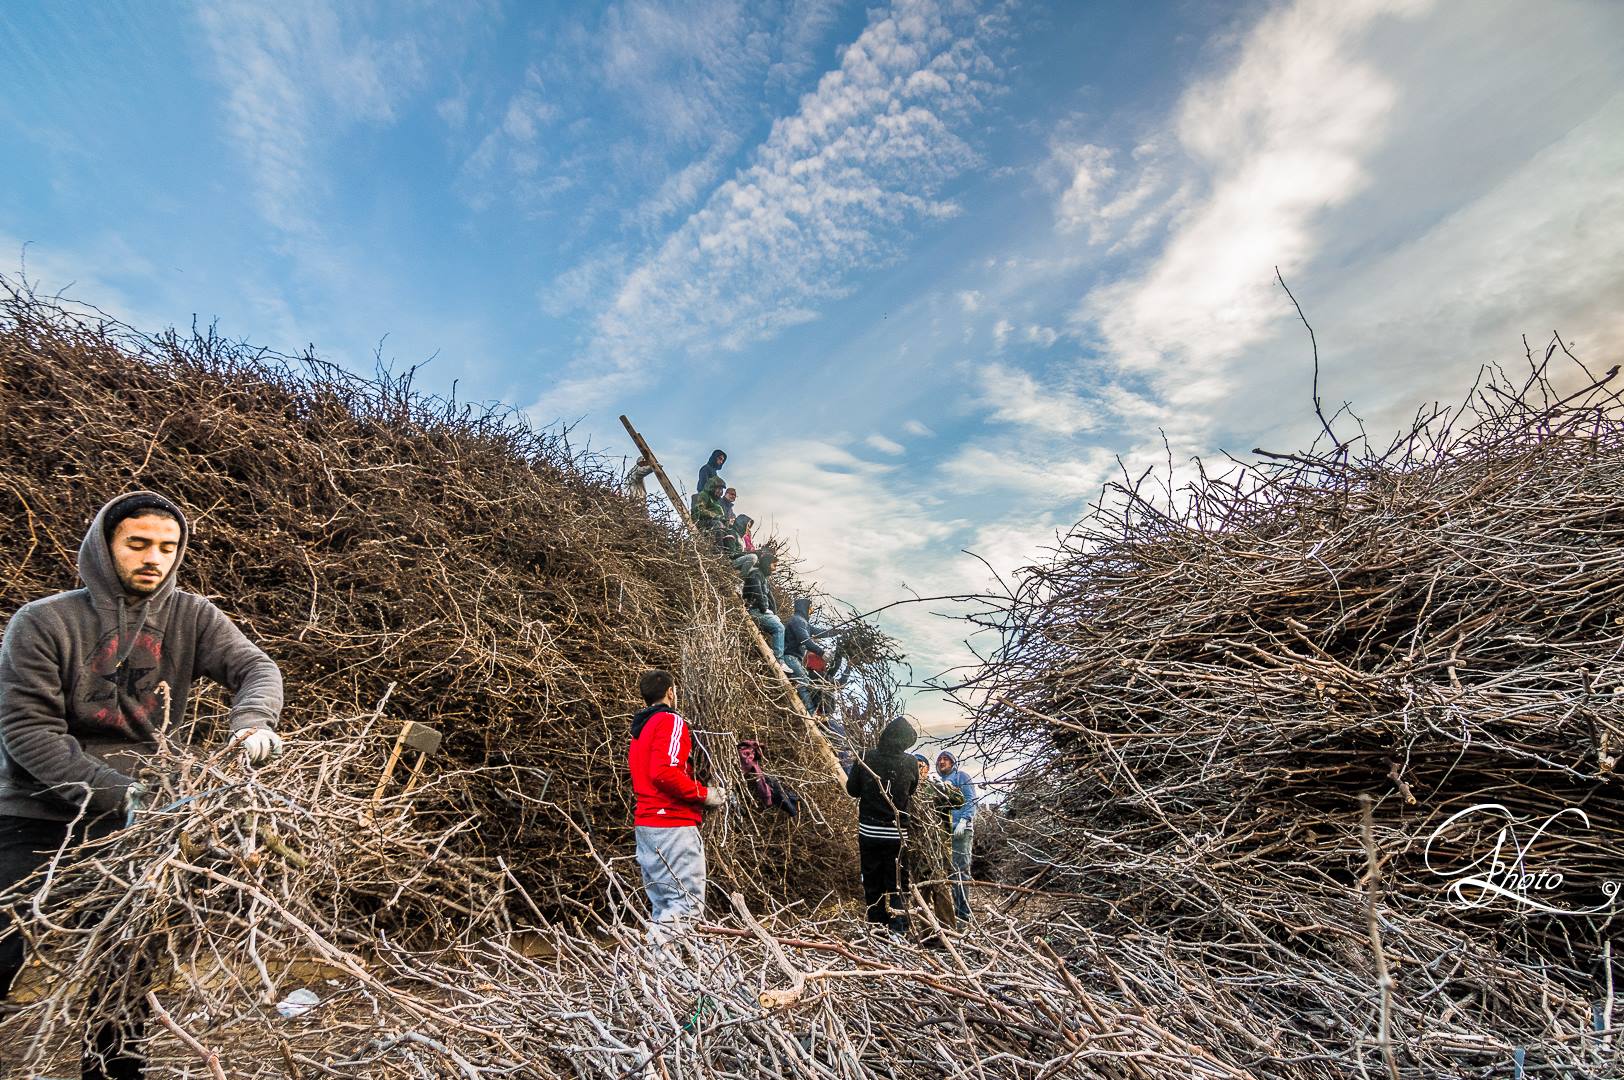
[(928, 848), (708, 510)]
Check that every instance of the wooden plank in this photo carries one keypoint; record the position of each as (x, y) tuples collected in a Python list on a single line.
[(813, 729)]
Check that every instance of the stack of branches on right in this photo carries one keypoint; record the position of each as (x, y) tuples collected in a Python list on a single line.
[(1326, 747)]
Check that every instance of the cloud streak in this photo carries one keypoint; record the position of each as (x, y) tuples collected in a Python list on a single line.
[(294, 75), (829, 191)]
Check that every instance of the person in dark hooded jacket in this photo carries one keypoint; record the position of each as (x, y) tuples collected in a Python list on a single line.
[(81, 708), (711, 468), (758, 600), (883, 782)]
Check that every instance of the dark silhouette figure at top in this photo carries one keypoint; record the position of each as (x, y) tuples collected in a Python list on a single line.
[(718, 458)]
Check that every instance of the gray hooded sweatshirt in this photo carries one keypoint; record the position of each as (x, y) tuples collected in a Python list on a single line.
[(79, 677)]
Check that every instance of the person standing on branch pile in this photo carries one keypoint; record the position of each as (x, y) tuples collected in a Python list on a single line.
[(742, 526), (670, 807), (81, 711), (758, 600), (637, 476), (718, 458), (708, 512), (947, 767), (744, 558), (883, 782), (928, 850), (798, 641)]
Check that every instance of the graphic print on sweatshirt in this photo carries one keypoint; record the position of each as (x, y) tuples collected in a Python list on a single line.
[(122, 698)]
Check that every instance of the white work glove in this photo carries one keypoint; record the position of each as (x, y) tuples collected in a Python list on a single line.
[(258, 745), (960, 825), (716, 797)]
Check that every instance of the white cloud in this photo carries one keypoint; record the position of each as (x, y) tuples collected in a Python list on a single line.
[(827, 193), (1000, 334), (918, 428), (970, 301), (1282, 138), (884, 445), (683, 188), (510, 155), (576, 288), (1041, 336), (683, 67), (1045, 474), (1090, 168), (295, 75), (1542, 250), (1015, 397), (843, 513)]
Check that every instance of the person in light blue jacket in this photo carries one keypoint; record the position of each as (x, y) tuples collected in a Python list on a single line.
[(947, 767)]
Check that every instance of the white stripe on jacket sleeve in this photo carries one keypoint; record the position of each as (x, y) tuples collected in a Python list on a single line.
[(676, 738)]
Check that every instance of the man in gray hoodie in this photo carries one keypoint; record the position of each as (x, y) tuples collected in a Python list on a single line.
[(88, 680)]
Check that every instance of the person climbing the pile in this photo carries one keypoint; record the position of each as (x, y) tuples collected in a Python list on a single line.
[(758, 600), (744, 557), (799, 640), (883, 782), (670, 807), (88, 679), (947, 768)]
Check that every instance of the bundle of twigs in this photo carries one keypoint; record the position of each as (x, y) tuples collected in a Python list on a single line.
[(1204, 685), (369, 536)]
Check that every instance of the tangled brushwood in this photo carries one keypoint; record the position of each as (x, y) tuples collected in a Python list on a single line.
[(234, 907), (406, 559), (1329, 747)]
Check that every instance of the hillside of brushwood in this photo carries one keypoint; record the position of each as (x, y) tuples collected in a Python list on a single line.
[(1209, 689), (475, 571)]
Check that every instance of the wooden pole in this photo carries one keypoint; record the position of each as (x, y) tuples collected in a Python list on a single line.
[(653, 462), (814, 732)]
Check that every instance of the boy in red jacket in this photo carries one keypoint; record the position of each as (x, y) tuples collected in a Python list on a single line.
[(670, 805)]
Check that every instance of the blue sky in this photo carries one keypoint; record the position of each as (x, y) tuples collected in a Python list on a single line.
[(926, 270)]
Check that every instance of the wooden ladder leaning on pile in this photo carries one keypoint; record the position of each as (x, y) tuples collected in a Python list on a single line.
[(819, 739)]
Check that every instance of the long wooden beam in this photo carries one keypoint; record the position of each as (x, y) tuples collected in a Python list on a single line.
[(813, 730)]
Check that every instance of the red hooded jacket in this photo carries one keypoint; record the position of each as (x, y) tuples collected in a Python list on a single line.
[(662, 775)]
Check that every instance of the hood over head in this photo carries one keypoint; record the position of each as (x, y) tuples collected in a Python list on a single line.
[(647, 713), (950, 756), (715, 486), (96, 567), (717, 458), (743, 522), (898, 735), (803, 606)]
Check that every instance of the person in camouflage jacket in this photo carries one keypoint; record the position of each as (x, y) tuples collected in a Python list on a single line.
[(928, 848), (708, 510)]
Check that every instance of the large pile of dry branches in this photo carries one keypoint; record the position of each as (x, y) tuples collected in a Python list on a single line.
[(404, 558), (1208, 687), (368, 537)]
